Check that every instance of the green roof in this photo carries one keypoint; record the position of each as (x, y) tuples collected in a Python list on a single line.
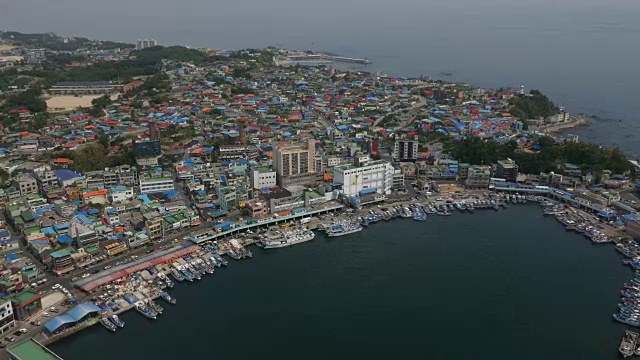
[(24, 297), (92, 249), (61, 253), (31, 229), (32, 350)]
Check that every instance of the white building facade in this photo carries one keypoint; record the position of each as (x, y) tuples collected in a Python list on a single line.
[(370, 174), (154, 184), (7, 320)]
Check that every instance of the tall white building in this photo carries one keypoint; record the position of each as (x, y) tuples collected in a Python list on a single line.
[(7, 320), (143, 44), (363, 175), (405, 150), (262, 177), (155, 184)]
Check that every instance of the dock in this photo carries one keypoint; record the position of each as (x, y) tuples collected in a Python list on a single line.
[(320, 59)]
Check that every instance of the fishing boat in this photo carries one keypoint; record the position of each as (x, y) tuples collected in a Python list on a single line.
[(168, 298), (108, 324), (220, 259), (116, 320), (146, 311), (177, 275), (627, 319), (234, 254), (288, 240), (155, 307), (188, 275), (343, 229)]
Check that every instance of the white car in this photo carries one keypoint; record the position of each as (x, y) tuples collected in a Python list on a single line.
[(23, 330), (45, 314), (85, 275), (56, 286)]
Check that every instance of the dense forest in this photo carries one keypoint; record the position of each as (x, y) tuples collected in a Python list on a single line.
[(54, 42), (551, 157), (532, 106), (95, 157)]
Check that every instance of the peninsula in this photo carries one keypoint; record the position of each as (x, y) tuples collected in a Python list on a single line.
[(125, 168)]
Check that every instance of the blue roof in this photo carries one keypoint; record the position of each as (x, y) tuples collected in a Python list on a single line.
[(66, 174), (79, 312), (57, 322), (64, 238)]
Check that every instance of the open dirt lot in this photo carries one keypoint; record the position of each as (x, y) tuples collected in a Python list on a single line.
[(69, 102)]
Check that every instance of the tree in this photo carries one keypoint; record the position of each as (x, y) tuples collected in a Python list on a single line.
[(29, 99)]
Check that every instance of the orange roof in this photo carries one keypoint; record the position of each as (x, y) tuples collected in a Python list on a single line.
[(507, 115), (62, 160), (94, 193), (328, 177), (197, 151)]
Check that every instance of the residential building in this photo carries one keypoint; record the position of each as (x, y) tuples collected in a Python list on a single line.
[(113, 247), (507, 169), (292, 159), (26, 184), (365, 175), (146, 43), (262, 177), (398, 177), (26, 304), (154, 226), (478, 176), (7, 319), (46, 180), (405, 150), (256, 208), (84, 235), (147, 153), (61, 261), (155, 184), (121, 193), (233, 152)]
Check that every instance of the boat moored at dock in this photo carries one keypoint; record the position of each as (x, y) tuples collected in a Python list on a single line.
[(146, 311), (168, 298), (108, 324), (116, 320)]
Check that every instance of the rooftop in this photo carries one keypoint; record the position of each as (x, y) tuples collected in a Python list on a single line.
[(32, 350)]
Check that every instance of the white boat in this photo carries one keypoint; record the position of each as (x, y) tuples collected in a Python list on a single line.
[(288, 240)]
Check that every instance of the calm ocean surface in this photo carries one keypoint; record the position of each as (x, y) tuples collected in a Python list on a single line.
[(489, 285), (584, 56)]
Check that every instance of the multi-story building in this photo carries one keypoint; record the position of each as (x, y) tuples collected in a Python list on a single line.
[(293, 159), (256, 208), (147, 153), (478, 176), (7, 320), (398, 177), (113, 247), (364, 174), (405, 150), (121, 193), (146, 43), (84, 235), (507, 169), (61, 261), (154, 225), (262, 177), (26, 184), (233, 152), (46, 180), (155, 184)]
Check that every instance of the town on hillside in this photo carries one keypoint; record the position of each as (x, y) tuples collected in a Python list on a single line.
[(117, 156)]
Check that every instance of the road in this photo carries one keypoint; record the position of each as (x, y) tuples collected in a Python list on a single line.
[(420, 103)]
